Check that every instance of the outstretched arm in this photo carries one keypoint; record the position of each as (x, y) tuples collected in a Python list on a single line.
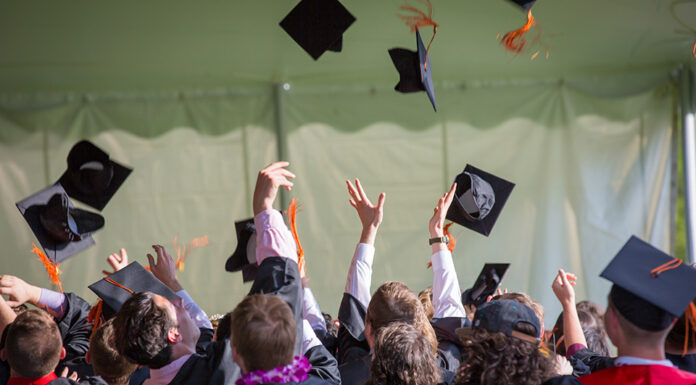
[(446, 291), (574, 338)]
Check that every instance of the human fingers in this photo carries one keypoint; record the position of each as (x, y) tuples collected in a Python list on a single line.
[(352, 203), (151, 260), (380, 200), (124, 255), (564, 279), (450, 195), (363, 196), (353, 192), (64, 372), (276, 165)]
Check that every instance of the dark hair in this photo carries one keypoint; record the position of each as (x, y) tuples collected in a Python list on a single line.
[(394, 302), (494, 358), (596, 342), (33, 344), (263, 332), (20, 309), (223, 329), (676, 336), (402, 355), (107, 363), (141, 329), (592, 328), (331, 328), (426, 299)]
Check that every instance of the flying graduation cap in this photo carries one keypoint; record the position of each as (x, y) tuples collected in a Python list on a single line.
[(318, 25), (415, 70), (486, 284), (61, 229), (244, 256), (479, 199), (650, 288), (92, 177), (524, 4)]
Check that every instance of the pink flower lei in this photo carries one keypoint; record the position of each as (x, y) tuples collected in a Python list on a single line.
[(293, 372)]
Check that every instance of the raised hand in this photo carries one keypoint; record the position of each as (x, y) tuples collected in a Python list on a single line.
[(18, 291), (437, 222), (267, 183), (563, 288), (164, 268), (116, 261), (370, 215)]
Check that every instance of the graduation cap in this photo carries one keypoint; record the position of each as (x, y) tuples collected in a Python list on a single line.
[(244, 256), (502, 316), (91, 177), (524, 4), (650, 288), (318, 25), (117, 288), (487, 282), (61, 229), (479, 199), (415, 70)]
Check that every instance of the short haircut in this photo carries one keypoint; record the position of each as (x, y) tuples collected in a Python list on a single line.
[(402, 355), (141, 329), (394, 302), (223, 328), (525, 299), (426, 299), (636, 335), (114, 368), (33, 344), (263, 332)]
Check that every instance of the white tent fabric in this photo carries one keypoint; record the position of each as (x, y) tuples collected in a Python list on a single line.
[(590, 171)]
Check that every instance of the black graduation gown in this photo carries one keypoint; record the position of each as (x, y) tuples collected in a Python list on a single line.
[(92, 380), (75, 331), (590, 360), (311, 380), (686, 363)]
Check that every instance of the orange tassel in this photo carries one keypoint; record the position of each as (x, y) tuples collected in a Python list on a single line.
[(95, 315), (514, 40), (452, 240), (673, 264), (52, 268), (292, 215), (182, 254), (418, 20), (690, 318)]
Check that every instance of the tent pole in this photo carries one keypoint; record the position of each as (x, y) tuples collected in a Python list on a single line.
[(281, 139), (689, 153)]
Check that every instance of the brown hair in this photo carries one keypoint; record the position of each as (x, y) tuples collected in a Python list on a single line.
[(33, 344), (114, 368), (494, 358), (263, 332), (394, 302), (402, 355), (426, 299), (525, 299)]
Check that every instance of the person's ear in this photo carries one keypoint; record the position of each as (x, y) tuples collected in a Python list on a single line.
[(173, 335), (88, 358), (236, 358), (62, 353)]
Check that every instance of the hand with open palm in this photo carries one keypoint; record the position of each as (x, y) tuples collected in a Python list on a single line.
[(370, 215)]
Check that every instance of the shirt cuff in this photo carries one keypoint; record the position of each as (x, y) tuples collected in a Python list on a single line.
[(574, 348), (273, 238), (53, 302), (309, 338), (197, 314), (365, 253)]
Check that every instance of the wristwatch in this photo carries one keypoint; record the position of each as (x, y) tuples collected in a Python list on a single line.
[(444, 240)]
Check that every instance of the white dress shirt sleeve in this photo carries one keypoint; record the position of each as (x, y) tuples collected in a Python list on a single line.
[(360, 274), (446, 292), (197, 314), (311, 311), (309, 339)]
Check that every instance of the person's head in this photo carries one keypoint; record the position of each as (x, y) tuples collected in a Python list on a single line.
[(592, 327), (526, 300), (114, 368), (33, 345), (634, 322), (502, 347), (426, 298), (402, 355), (150, 330), (394, 302), (223, 328), (331, 327), (263, 333)]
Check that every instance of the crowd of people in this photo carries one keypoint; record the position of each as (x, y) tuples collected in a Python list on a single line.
[(146, 329)]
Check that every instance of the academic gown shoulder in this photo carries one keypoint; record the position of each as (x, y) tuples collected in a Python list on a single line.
[(75, 332), (640, 374), (448, 344), (686, 363)]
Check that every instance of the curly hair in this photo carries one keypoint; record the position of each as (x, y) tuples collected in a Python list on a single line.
[(141, 329), (426, 298), (494, 358), (403, 355)]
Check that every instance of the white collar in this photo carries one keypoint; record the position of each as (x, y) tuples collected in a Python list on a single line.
[(166, 374), (628, 360)]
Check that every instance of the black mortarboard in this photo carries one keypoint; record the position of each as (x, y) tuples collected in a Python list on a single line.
[(318, 25), (61, 229), (244, 256), (650, 288), (415, 70), (502, 316), (479, 199), (524, 4), (487, 282), (92, 178), (117, 288)]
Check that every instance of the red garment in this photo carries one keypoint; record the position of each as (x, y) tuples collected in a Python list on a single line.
[(32, 381), (640, 375)]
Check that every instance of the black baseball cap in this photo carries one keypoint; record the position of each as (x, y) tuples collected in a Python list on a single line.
[(92, 177), (487, 282), (503, 316), (415, 70), (479, 199), (650, 288)]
